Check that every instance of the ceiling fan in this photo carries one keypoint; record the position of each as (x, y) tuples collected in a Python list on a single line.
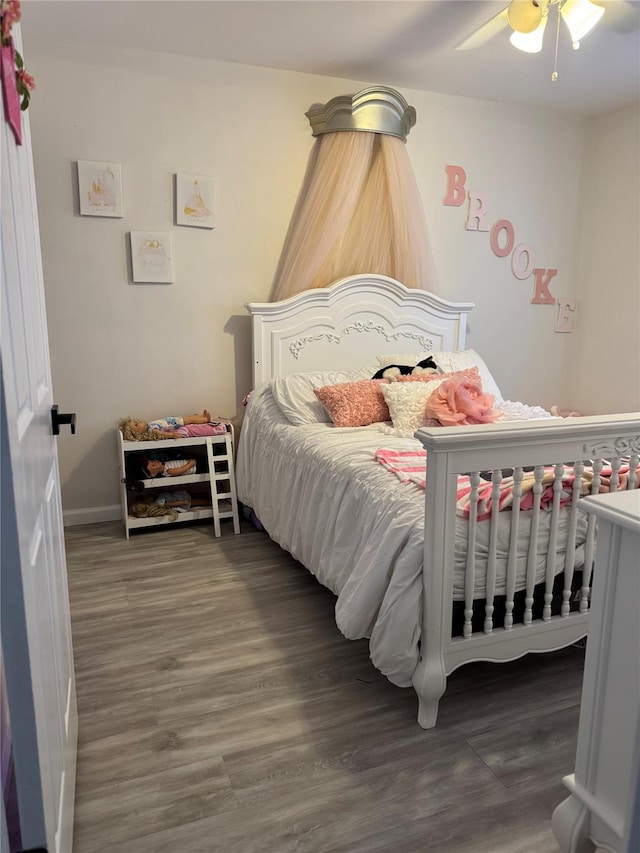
[(527, 20)]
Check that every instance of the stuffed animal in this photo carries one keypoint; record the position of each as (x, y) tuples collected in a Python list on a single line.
[(392, 371), (564, 413)]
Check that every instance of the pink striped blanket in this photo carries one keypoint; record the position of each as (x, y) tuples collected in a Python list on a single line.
[(410, 466)]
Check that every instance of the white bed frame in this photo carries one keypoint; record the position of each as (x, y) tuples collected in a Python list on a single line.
[(345, 326), (358, 317)]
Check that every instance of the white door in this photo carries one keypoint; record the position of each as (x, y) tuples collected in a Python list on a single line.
[(34, 606)]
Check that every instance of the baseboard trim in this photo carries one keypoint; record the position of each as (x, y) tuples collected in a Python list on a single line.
[(91, 515)]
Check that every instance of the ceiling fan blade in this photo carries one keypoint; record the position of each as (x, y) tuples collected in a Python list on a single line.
[(485, 33), (623, 16)]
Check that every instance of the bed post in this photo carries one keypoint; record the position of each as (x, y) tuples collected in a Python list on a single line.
[(429, 677)]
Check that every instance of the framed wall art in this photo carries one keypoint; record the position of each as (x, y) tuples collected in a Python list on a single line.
[(151, 257), (100, 188), (194, 200)]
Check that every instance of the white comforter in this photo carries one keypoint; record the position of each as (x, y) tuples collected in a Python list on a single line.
[(321, 495)]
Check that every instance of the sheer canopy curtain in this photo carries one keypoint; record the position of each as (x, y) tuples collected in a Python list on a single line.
[(359, 211)]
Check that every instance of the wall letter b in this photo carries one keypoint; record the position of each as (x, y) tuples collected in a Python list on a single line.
[(456, 177)]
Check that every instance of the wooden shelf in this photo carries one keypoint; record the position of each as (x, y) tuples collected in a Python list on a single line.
[(219, 453)]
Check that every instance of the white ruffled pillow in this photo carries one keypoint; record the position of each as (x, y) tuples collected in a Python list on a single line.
[(407, 402), (295, 395)]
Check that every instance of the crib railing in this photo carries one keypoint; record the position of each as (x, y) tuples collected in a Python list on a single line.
[(545, 573), (550, 494)]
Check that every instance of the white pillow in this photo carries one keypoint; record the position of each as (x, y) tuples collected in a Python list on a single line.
[(294, 394), (447, 362), (406, 402), (410, 359), (461, 360)]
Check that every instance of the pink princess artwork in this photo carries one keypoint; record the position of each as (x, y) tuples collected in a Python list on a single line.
[(172, 426), (194, 200), (101, 196), (194, 207)]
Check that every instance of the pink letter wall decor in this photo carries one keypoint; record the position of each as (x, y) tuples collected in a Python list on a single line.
[(541, 295), (517, 268), (566, 312), (456, 177), (502, 225), (501, 246), (477, 218)]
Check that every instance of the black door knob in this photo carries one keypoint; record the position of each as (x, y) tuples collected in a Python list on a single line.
[(59, 418)]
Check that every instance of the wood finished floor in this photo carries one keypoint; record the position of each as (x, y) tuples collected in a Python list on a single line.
[(220, 709)]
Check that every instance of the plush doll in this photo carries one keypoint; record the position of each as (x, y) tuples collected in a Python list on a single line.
[(392, 371), (165, 503), (564, 413), (181, 426)]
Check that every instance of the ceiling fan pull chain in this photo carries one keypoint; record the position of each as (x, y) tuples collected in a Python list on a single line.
[(554, 76)]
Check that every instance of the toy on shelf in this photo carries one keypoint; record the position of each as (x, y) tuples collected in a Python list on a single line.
[(173, 426), (201, 462), (564, 413), (166, 503)]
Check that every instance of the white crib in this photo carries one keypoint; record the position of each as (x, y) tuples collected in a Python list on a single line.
[(455, 450)]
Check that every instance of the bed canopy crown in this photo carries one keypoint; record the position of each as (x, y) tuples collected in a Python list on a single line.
[(359, 209), (377, 109)]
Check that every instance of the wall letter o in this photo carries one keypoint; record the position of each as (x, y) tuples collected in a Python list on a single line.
[(500, 225), (516, 263)]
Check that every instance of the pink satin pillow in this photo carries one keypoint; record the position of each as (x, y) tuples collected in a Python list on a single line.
[(461, 401), (353, 404)]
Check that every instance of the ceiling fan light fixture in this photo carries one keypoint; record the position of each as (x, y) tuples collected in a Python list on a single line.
[(530, 42), (580, 16), (524, 15)]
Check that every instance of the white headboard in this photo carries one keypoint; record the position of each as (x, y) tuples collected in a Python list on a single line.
[(346, 325)]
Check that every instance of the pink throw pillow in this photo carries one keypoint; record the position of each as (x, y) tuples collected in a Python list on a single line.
[(353, 404), (461, 401), (471, 373)]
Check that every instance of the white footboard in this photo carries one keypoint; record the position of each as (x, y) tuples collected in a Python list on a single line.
[(565, 459)]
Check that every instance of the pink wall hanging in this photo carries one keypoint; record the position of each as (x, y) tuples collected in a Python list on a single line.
[(502, 241), (10, 91)]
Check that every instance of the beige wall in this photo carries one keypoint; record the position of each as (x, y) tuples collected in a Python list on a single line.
[(151, 350), (603, 359)]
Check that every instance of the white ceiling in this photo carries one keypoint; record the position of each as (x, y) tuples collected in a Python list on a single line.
[(400, 43)]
